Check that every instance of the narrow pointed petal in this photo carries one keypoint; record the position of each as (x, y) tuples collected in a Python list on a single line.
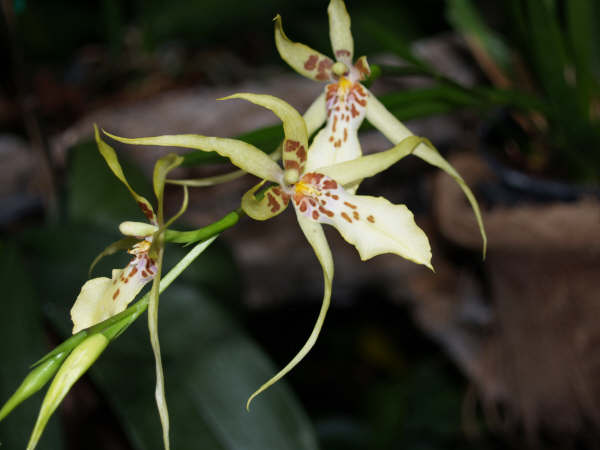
[(110, 156), (101, 298), (395, 131), (295, 142), (314, 233), (372, 224), (339, 31), (243, 155), (273, 202), (346, 104), (304, 60), (349, 172), (76, 364)]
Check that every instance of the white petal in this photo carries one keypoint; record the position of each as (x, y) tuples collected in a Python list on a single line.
[(372, 224), (337, 142)]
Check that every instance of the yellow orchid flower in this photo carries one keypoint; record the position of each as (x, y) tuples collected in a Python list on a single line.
[(101, 298), (348, 102), (320, 196)]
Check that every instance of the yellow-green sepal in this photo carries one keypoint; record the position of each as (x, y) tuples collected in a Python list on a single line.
[(339, 31), (243, 155), (110, 156), (316, 237), (396, 132), (349, 172), (303, 59), (295, 143)]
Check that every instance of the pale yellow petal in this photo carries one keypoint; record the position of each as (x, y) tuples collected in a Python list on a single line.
[(101, 298), (395, 131), (339, 31), (304, 60), (316, 238), (295, 143), (243, 155)]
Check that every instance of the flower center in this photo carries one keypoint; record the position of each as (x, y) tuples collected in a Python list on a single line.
[(339, 69)]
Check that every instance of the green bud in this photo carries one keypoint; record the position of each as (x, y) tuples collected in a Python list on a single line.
[(33, 382), (78, 362), (138, 229)]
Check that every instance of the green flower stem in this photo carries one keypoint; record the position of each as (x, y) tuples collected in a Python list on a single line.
[(189, 237)]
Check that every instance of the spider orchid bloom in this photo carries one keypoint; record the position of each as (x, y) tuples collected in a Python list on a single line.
[(372, 224), (348, 102), (101, 298), (345, 99)]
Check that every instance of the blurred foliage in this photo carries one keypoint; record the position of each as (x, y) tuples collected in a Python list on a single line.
[(548, 49)]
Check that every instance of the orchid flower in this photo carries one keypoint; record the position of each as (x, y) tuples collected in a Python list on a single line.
[(101, 298), (320, 196), (348, 102)]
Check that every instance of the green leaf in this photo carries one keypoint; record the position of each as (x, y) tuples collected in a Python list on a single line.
[(22, 331), (582, 30), (465, 18)]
